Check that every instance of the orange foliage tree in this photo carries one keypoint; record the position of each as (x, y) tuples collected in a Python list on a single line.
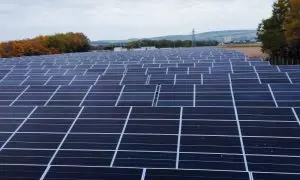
[(44, 45)]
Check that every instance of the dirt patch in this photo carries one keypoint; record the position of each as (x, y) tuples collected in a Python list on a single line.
[(249, 51)]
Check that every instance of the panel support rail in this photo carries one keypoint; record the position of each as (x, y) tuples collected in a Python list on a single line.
[(239, 129), (120, 139), (274, 99), (179, 137), (156, 96)]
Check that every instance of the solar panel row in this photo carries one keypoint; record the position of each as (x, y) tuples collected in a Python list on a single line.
[(62, 172), (176, 114), (245, 95)]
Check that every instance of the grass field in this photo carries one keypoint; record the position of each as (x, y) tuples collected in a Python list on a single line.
[(250, 50)]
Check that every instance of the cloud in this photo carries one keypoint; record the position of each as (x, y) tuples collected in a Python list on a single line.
[(122, 19)]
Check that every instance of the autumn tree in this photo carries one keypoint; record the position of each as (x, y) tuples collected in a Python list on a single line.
[(43, 45), (292, 23)]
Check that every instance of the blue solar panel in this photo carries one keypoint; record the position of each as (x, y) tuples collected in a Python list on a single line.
[(199, 113)]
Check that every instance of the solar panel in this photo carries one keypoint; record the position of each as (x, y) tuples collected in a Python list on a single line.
[(198, 113)]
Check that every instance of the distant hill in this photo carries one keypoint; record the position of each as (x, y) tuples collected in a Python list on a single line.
[(237, 35)]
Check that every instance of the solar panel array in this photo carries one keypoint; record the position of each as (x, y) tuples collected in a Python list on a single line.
[(198, 113)]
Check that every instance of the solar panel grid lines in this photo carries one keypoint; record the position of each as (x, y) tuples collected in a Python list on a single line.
[(120, 95), (19, 95), (239, 129), (104, 73), (18, 128), (250, 175), (194, 95), (296, 116), (156, 173), (27, 73), (230, 81), (179, 137), (272, 95), (257, 75), (287, 74), (278, 68), (157, 93), (121, 136), (147, 69), (53, 94), (72, 80), (74, 67), (61, 143), (175, 78), (85, 72), (45, 172), (27, 77), (231, 68), (144, 174), (49, 79), (84, 98), (220, 105), (121, 82), (4, 77), (66, 72), (148, 79), (99, 76), (150, 168)]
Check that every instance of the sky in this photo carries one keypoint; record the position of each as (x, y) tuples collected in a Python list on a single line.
[(125, 19)]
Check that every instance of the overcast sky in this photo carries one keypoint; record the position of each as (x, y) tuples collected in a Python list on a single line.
[(124, 19)]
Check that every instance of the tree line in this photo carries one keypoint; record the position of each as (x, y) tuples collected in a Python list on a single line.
[(157, 44), (280, 34), (78, 42), (46, 45), (169, 43)]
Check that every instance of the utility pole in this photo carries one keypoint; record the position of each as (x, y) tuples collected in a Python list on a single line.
[(193, 38)]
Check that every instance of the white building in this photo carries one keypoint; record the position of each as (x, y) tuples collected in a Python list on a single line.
[(148, 48), (227, 39), (119, 49)]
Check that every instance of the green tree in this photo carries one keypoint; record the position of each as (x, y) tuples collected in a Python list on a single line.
[(271, 31)]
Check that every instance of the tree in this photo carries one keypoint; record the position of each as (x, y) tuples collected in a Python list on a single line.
[(43, 45), (271, 31), (169, 43), (280, 34), (292, 23)]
